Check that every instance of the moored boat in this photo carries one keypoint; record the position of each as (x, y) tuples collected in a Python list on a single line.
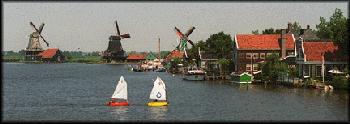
[(194, 74)]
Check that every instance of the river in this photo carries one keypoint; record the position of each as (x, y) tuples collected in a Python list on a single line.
[(78, 92)]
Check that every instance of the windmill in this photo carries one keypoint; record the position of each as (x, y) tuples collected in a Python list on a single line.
[(34, 46), (115, 50), (184, 39)]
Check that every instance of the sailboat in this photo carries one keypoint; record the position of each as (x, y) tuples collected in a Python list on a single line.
[(121, 92), (158, 93)]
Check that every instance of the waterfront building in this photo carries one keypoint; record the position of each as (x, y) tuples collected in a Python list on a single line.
[(136, 57), (251, 49), (310, 51), (312, 54), (52, 55), (209, 62)]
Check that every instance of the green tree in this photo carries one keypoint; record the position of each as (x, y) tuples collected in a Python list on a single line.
[(223, 63), (273, 68), (220, 44), (268, 31), (271, 31), (193, 52), (335, 29), (296, 28), (255, 32)]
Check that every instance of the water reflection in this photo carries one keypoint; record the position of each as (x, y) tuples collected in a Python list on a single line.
[(245, 86), (158, 113), (121, 112)]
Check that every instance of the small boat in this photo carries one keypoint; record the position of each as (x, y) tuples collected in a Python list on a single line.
[(194, 74), (160, 69), (136, 69), (121, 92), (158, 94)]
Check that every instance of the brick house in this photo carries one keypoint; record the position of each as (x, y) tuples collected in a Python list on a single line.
[(250, 49)]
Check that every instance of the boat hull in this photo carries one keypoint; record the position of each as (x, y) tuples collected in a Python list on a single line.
[(157, 103), (117, 103)]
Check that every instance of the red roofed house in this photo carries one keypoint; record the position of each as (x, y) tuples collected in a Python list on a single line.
[(249, 49), (136, 57), (310, 56), (174, 54), (51, 55)]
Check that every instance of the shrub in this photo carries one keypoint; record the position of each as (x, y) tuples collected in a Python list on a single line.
[(340, 82)]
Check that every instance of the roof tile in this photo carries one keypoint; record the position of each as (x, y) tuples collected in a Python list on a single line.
[(263, 41)]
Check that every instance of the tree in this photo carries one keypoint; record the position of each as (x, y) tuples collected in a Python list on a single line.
[(223, 63), (335, 29), (296, 28), (193, 52), (255, 32), (273, 68), (271, 31), (268, 31), (220, 44)]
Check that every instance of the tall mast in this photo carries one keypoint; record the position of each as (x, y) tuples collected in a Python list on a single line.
[(159, 48)]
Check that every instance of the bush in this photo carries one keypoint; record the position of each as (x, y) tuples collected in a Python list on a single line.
[(340, 82)]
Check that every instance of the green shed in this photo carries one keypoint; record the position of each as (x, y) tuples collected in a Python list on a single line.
[(245, 77)]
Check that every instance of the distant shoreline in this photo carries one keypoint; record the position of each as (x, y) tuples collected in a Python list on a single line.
[(38, 62)]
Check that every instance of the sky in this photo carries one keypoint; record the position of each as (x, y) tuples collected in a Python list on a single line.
[(86, 26)]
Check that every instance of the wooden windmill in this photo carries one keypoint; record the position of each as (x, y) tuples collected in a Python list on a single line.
[(34, 46), (115, 50), (184, 39)]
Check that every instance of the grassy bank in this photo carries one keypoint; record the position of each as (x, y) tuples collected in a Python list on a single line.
[(12, 58), (86, 59)]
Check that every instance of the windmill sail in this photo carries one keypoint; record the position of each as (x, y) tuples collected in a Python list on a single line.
[(121, 91), (158, 92)]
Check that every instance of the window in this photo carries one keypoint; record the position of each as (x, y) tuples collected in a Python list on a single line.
[(241, 55), (255, 55), (248, 67), (262, 55), (248, 55), (318, 71), (255, 67), (268, 54), (306, 70)]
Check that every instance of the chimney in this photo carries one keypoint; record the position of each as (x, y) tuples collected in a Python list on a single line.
[(282, 44), (289, 28)]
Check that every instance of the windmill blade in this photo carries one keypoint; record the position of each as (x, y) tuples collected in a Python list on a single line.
[(190, 41), (179, 33), (47, 44), (190, 31), (116, 25), (31, 23), (41, 28), (125, 36)]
